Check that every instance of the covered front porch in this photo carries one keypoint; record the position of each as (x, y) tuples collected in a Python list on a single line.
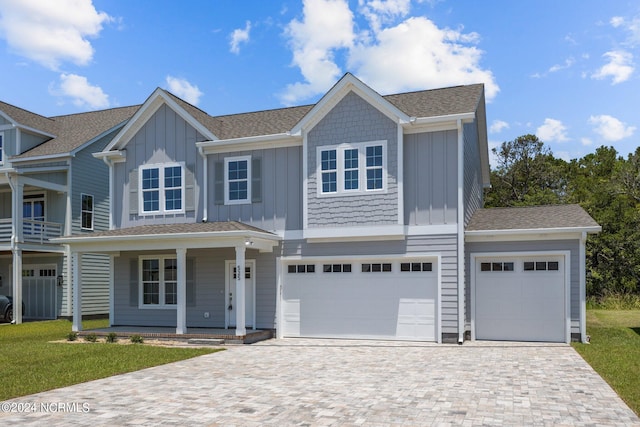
[(152, 283)]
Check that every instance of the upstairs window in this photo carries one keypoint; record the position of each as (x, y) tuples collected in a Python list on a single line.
[(162, 188), (352, 168), (86, 211), (237, 180)]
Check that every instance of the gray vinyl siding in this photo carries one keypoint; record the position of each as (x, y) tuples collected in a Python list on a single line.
[(90, 176), (280, 207), (8, 143), (430, 178), (529, 246), (353, 120), (206, 294), (95, 284), (164, 138), (28, 141), (473, 189), (443, 245)]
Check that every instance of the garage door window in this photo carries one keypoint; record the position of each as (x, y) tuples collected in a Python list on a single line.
[(496, 266), (376, 268), (302, 268), (416, 266), (336, 268), (541, 266)]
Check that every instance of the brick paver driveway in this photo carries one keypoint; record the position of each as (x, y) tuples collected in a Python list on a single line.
[(330, 382)]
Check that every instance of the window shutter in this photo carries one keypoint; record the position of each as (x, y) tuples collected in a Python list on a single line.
[(191, 283), (133, 192), (189, 189), (218, 183), (133, 283), (256, 180)]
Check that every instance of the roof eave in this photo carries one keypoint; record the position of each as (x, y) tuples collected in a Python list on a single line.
[(249, 141), (489, 235)]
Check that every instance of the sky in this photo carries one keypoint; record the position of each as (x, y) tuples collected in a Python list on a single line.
[(562, 70)]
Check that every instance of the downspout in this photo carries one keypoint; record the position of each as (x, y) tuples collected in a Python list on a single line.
[(461, 258), (583, 289), (205, 192)]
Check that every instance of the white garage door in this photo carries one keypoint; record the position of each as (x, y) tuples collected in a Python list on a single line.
[(520, 298), (391, 299)]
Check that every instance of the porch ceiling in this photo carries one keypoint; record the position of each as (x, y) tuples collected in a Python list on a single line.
[(218, 234)]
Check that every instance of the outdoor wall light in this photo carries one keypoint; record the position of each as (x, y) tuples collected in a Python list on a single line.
[(60, 280)]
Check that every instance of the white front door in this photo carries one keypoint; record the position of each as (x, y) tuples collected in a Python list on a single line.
[(249, 293)]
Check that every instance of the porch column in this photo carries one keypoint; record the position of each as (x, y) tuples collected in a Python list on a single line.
[(181, 309), (240, 290), (16, 204), (76, 326), (17, 286)]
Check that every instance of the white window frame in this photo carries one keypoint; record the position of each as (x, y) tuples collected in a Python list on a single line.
[(161, 283), (362, 168), (227, 200), (92, 212), (161, 189), (2, 148)]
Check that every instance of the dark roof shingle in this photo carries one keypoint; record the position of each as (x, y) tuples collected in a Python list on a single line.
[(531, 218)]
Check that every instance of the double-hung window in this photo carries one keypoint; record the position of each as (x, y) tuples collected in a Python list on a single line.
[(162, 188), (237, 182), (158, 282), (352, 168), (86, 211)]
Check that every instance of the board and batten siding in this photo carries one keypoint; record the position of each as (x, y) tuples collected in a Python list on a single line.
[(430, 178), (164, 138), (473, 188), (353, 120), (514, 248), (206, 277), (279, 206), (444, 245)]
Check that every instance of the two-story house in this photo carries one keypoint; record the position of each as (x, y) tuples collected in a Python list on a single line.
[(51, 185), (356, 217)]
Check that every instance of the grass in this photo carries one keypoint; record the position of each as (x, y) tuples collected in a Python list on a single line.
[(30, 363), (614, 351), (614, 302)]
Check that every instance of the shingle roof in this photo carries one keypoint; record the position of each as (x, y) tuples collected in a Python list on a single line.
[(29, 119), (164, 229), (531, 218), (73, 130)]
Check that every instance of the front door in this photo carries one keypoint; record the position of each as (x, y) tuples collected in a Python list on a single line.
[(249, 293)]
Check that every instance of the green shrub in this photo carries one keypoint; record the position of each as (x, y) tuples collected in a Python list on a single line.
[(614, 302), (136, 339), (91, 338), (72, 336), (111, 337)]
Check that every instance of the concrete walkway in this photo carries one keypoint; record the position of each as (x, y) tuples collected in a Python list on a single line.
[(345, 383)]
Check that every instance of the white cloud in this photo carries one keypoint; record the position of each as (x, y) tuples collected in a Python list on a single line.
[(183, 89), (567, 64), (552, 130), (616, 21), (239, 36), (610, 128), (51, 32), (619, 68), (498, 126), (81, 92), (586, 141), (414, 54)]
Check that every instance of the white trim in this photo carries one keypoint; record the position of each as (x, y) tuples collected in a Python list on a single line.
[(383, 232), (251, 263), (43, 184), (279, 315), (582, 269), (474, 256), (460, 234), (161, 282), (279, 140), (228, 160), (305, 181), (530, 234), (161, 188), (112, 287), (82, 211), (2, 148), (400, 173)]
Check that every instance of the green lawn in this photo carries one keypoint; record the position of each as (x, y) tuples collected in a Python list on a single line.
[(30, 363), (614, 351)]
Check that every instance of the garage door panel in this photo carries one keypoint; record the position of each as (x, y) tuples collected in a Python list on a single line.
[(523, 304), (390, 305)]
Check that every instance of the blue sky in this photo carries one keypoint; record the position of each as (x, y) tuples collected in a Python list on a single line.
[(563, 70)]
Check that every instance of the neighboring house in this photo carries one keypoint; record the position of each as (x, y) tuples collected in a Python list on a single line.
[(357, 217), (51, 185)]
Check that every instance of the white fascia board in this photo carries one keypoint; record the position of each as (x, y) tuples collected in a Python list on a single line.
[(14, 124), (355, 234), (412, 255), (113, 156), (97, 138), (41, 158), (250, 143), (529, 234), (345, 85)]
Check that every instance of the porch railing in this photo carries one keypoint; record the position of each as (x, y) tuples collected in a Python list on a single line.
[(33, 231)]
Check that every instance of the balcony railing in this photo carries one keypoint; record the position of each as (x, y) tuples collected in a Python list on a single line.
[(32, 231)]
